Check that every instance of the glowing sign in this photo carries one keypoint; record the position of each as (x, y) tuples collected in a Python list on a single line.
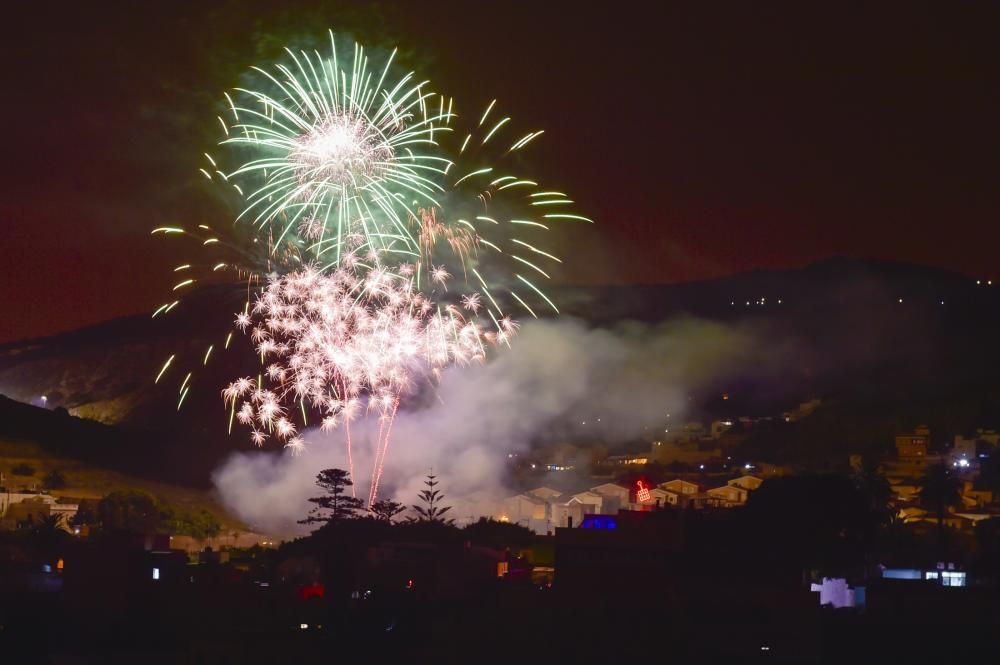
[(642, 494)]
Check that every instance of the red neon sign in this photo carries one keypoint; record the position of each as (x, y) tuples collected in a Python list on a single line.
[(642, 495)]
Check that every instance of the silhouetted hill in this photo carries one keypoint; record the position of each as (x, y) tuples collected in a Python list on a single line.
[(890, 339)]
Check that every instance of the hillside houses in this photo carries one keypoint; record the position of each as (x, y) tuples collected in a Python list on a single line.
[(543, 509)]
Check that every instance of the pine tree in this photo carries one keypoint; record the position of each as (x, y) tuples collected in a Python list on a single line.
[(335, 506), (385, 510), (432, 511)]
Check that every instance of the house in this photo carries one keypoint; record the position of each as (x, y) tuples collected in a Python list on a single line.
[(627, 459), (659, 498), (682, 487), (569, 513), (568, 510), (614, 496), (524, 508), (975, 498), (909, 446), (544, 493), (746, 482), (727, 496)]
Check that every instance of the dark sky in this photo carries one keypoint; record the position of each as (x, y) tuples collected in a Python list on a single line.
[(705, 139)]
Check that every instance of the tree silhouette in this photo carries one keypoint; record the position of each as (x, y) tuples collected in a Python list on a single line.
[(132, 510), (55, 480), (385, 510), (940, 491), (335, 506), (432, 511)]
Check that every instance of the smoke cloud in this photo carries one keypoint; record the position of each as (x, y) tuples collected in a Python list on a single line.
[(558, 378)]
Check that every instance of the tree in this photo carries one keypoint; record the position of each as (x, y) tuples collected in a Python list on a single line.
[(939, 490), (385, 510), (48, 533), (55, 480), (335, 506), (132, 510), (492, 533), (200, 525), (432, 511), (23, 469), (870, 481), (86, 513)]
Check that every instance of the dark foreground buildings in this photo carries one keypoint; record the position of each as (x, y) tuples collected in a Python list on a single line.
[(669, 586)]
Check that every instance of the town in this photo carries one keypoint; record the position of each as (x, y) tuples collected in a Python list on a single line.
[(913, 535)]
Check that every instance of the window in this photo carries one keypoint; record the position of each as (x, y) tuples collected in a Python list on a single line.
[(953, 578)]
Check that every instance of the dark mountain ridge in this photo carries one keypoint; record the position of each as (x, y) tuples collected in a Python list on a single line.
[(864, 335)]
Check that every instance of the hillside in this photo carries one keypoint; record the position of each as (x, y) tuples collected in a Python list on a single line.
[(896, 340)]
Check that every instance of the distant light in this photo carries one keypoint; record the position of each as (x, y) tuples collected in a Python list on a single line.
[(978, 282), (44, 399), (746, 466), (963, 462), (732, 302), (779, 301), (156, 573), (942, 302), (900, 300), (701, 466), (303, 626)]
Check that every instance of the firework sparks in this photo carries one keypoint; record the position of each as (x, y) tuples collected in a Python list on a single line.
[(352, 186), (340, 340)]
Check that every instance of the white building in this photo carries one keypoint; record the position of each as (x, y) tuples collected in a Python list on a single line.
[(614, 497), (727, 496), (746, 482)]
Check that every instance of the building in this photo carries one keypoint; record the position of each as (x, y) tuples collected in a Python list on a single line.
[(747, 482), (544, 493), (727, 496), (915, 445), (686, 489), (527, 510), (975, 498), (659, 498), (627, 459), (18, 507), (684, 452), (912, 455), (614, 497), (567, 514)]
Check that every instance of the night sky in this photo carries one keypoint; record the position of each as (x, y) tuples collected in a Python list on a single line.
[(705, 139)]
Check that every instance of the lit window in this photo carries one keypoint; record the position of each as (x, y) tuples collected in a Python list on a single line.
[(156, 573), (951, 578)]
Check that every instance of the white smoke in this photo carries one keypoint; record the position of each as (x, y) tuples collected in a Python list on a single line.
[(557, 376)]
